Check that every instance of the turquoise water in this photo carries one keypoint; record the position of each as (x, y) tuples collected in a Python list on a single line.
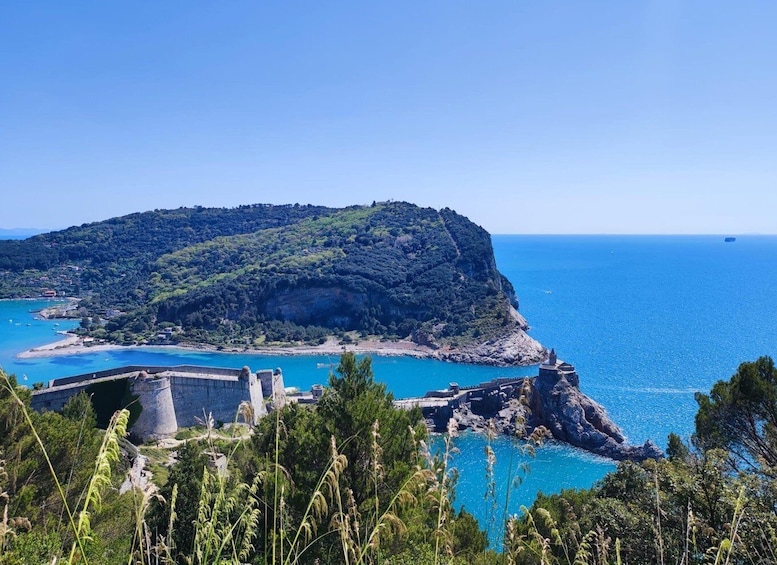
[(647, 320)]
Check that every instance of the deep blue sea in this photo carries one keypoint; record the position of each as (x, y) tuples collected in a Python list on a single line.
[(647, 321)]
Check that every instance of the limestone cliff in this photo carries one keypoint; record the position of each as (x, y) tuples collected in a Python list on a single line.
[(574, 418), (514, 348), (553, 401)]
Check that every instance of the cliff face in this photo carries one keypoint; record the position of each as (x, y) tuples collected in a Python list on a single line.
[(553, 403), (515, 348), (574, 418)]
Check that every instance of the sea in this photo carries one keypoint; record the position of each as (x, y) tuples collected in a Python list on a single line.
[(648, 321)]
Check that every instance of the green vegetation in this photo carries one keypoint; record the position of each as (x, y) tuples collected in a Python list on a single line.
[(271, 274), (351, 481), (344, 482), (714, 501)]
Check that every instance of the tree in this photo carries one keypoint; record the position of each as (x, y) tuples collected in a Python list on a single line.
[(350, 407), (187, 475), (740, 416)]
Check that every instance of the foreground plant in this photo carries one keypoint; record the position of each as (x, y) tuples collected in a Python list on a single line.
[(6, 532), (79, 519)]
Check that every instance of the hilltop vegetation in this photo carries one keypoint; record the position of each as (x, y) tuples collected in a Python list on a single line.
[(274, 274), (113, 255)]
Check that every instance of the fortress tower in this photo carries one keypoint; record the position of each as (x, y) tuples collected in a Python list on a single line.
[(169, 397), (157, 418)]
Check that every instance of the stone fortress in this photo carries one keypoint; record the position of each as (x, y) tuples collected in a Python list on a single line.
[(170, 398), (485, 399), (176, 397)]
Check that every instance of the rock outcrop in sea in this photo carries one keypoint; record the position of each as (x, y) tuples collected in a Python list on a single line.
[(514, 348), (552, 400)]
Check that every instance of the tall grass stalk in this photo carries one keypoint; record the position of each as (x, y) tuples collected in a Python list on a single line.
[(276, 469), (490, 494), (317, 506), (227, 520), (659, 536), (6, 383), (593, 548), (439, 491), (726, 546), (526, 448), (101, 479), (6, 532)]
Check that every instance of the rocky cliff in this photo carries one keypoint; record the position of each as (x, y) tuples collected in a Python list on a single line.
[(514, 348), (550, 402)]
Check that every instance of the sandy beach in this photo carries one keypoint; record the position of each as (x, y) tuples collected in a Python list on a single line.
[(74, 345)]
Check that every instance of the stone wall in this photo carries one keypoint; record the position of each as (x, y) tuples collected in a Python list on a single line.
[(182, 396), (195, 398), (54, 400)]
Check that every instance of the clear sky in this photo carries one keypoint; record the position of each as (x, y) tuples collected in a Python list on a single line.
[(525, 116)]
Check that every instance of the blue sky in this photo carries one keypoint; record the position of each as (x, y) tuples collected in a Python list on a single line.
[(526, 116)]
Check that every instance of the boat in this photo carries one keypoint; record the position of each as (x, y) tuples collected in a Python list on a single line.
[(730, 239)]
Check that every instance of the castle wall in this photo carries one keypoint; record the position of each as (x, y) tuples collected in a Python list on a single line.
[(197, 397), (150, 369), (257, 398), (55, 400), (176, 396), (272, 386)]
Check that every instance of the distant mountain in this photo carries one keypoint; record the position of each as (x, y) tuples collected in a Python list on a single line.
[(262, 274)]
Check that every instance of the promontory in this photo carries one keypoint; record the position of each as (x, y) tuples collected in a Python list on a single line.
[(266, 275)]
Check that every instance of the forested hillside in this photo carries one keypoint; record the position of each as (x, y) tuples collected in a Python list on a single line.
[(261, 274), (115, 254)]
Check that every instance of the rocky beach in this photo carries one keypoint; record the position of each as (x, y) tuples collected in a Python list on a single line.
[(514, 349)]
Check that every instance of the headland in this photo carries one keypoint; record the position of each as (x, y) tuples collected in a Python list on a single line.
[(550, 403), (397, 278)]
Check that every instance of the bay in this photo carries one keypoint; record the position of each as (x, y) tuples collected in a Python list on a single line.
[(647, 320)]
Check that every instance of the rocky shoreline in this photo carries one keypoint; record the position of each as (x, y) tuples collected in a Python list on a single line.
[(516, 348), (551, 403)]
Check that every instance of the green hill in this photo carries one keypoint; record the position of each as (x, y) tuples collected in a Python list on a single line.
[(261, 274)]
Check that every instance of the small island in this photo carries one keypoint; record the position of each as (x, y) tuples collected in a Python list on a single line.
[(389, 278)]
